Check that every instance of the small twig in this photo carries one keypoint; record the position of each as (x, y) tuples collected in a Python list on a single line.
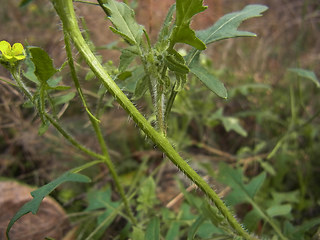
[(180, 196), (215, 151)]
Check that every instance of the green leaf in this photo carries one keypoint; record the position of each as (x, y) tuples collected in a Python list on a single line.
[(207, 230), (153, 229), (38, 195), (289, 197), (137, 234), (44, 68), (127, 56), (216, 218), (279, 210), (185, 10), (267, 167), (306, 74), (141, 88), (60, 88), (64, 98), (173, 232), (29, 74), (241, 192), (209, 80), (231, 123), (101, 200), (53, 82), (166, 30), (130, 83), (122, 18), (251, 220), (298, 232), (195, 226), (147, 195), (43, 128), (226, 27), (175, 62)]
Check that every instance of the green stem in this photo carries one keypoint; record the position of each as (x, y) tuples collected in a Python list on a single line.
[(41, 108), (268, 219), (171, 99), (95, 123), (71, 139), (16, 75), (66, 12), (160, 110)]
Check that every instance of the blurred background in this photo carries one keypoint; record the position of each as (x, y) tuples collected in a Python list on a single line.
[(254, 71)]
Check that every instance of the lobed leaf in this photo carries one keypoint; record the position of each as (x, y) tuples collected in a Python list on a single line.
[(39, 194), (185, 10), (127, 56), (241, 192), (227, 26), (122, 18)]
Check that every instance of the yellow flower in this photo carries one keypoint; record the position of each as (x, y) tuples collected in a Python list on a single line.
[(11, 54)]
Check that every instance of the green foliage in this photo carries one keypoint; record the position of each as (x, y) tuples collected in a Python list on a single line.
[(147, 196), (122, 17), (168, 79), (182, 32), (241, 192), (209, 80), (39, 194), (153, 229), (98, 200), (227, 26), (44, 68), (310, 75), (229, 123)]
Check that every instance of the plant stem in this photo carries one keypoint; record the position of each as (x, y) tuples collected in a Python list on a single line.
[(42, 112), (66, 12), (95, 124), (171, 99), (268, 219), (71, 139), (16, 75)]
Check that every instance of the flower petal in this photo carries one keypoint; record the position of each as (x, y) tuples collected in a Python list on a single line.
[(5, 47), (17, 49), (19, 57)]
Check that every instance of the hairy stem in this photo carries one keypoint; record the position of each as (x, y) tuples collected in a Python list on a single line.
[(66, 12), (97, 129)]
